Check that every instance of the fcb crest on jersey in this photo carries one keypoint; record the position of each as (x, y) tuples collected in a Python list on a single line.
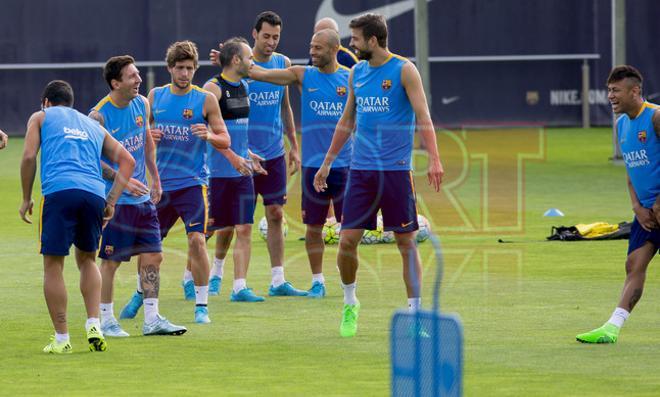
[(641, 136), (109, 249), (139, 121), (386, 84), (341, 90), (187, 114)]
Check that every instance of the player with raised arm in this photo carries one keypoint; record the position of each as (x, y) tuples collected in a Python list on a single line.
[(75, 205), (186, 118), (638, 132), (134, 230), (385, 104), (324, 93)]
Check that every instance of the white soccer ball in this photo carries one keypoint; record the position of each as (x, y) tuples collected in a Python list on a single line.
[(331, 231), (385, 237), (263, 228), (424, 231)]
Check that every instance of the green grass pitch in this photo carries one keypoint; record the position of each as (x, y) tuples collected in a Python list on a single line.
[(521, 303)]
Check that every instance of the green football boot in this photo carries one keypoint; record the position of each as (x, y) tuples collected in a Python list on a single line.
[(58, 348), (608, 333), (96, 340), (348, 326)]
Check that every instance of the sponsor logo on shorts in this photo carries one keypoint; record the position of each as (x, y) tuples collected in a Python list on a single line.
[(187, 114), (194, 224), (406, 224)]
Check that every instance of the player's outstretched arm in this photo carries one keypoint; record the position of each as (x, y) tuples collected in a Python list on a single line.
[(218, 136), (343, 131), (412, 82), (4, 139), (290, 75), (29, 162)]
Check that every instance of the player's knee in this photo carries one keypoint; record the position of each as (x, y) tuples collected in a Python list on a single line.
[(274, 214), (634, 267), (109, 266), (244, 232), (315, 230), (348, 243), (152, 258), (196, 241), (405, 241)]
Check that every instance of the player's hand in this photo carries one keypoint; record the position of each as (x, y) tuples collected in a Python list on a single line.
[(257, 168), (3, 140), (108, 213), (26, 208), (646, 218), (136, 188), (200, 131), (656, 212), (214, 56), (435, 174), (156, 192), (321, 177), (294, 161), (241, 164), (156, 135)]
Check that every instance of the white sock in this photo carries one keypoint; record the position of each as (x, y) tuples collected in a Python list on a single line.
[(414, 304), (619, 317), (278, 276), (218, 267), (239, 284), (187, 276), (107, 311), (150, 310), (93, 322), (139, 284), (202, 295), (61, 338), (318, 278), (349, 293)]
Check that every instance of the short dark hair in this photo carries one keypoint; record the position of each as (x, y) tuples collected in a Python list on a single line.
[(371, 25), (58, 92), (230, 49), (113, 67), (625, 72), (269, 17)]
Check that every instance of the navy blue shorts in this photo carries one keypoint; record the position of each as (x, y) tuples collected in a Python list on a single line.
[(272, 187), (639, 236), (231, 202), (392, 192), (68, 217), (315, 205), (189, 204), (134, 229)]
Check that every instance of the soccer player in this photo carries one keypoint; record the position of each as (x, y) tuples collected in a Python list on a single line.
[(386, 102), (638, 132), (345, 57), (270, 115), (4, 139), (181, 112), (232, 189), (324, 92), (75, 206), (134, 230)]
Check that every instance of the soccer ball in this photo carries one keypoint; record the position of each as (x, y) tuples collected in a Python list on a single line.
[(331, 231), (424, 231), (371, 236), (263, 227), (385, 237)]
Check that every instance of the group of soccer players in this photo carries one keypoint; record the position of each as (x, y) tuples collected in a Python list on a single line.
[(357, 137), (358, 123)]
